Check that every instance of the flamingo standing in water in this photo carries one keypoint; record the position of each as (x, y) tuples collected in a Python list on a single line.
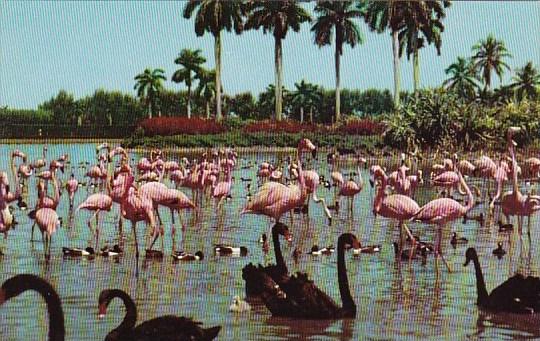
[(6, 197), (72, 185), (514, 202), (395, 206), (160, 195), (47, 220), (312, 182), (500, 175), (274, 199), (40, 163), (351, 188), (442, 211), (97, 202), (136, 207)]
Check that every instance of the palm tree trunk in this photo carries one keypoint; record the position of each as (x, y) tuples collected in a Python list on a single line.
[(149, 106), (189, 101), (302, 114), (416, 70), (207, 110), (279, 79), (338, 95), (217, 50), (395, 50), (311, 115)]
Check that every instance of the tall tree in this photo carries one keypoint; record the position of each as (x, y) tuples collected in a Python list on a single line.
[(337, 15), (306, 96), (191, 60), (276, 17), (462, 78), (380, 15), (422, 26), (148, 84), (215, 16), (489, 56), (206, 87), (526, 82)]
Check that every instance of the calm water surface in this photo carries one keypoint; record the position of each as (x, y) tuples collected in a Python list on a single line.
[(395, 301)]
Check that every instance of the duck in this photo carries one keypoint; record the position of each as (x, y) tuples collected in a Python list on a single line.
[(326, 251), (76, 252), (296, 254), (479, 218), (239, 305), (304, 209), (518, 294), (184, 256), (366, 249), (115, 251), (499, 251), (154, 254), (245, 179), (263, 238), (21, 204), (458, 240), (429, 247), (505, 227), (406, 252), (227, 250), (168, 327)]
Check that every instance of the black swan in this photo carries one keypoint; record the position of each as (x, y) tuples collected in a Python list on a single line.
[(278, 272), (162, 328), (302, 299), (517, 295), (21, 283)]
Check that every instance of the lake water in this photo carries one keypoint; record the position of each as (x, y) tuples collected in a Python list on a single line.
[(394, 300)]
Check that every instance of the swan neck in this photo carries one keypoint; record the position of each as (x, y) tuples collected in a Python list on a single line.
[(349, 307), (480, 283), (128, 323), (280, 262)]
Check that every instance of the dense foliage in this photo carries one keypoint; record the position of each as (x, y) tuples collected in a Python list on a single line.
[(436, 117)]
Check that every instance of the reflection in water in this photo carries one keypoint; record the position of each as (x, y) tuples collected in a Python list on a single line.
[(394, 299)]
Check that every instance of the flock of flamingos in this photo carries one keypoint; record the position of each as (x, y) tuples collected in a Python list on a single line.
[(284, 294)]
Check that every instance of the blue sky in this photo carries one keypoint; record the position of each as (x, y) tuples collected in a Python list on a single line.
[(82, 46)]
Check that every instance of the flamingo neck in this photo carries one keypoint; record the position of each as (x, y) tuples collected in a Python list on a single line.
[(128, 323), (280, 262), (349, 307), (514, 166), (379, 197), (470, 197), (483, 296), (301, 180), (498, 194), (16, 177)]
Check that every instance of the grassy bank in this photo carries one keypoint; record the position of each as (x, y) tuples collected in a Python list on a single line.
[(242, 139)]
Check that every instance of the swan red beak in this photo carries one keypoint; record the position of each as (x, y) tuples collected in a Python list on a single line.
[(102, 311)]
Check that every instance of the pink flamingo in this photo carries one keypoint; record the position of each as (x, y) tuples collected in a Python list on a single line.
[(97, 202), (6, 197), (274, 199), (351, 188), (337, 178), (514, 202), (501, 175), (312, 181), (442, 211), (485, 168), (395, 206), (40, 163), (466, 167), (161, 195), (47, 220), (533, 166), (136, 207), (72, 185)]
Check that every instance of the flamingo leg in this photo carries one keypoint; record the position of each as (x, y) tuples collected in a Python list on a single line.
[(97, 230), (88, 222), (133, 227)]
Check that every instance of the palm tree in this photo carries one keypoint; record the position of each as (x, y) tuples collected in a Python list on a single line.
[(148, 85), (380, 15), (488, 57), (526, 82), (338, 15), (306, 96), (462, 78), (267, 99), (276, 17), (191, 60), (215, 16), (206, 87), (421, 17)]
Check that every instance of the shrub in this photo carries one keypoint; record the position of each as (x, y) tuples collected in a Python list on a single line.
[(279, 127), (362, 127), (179, 125)]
